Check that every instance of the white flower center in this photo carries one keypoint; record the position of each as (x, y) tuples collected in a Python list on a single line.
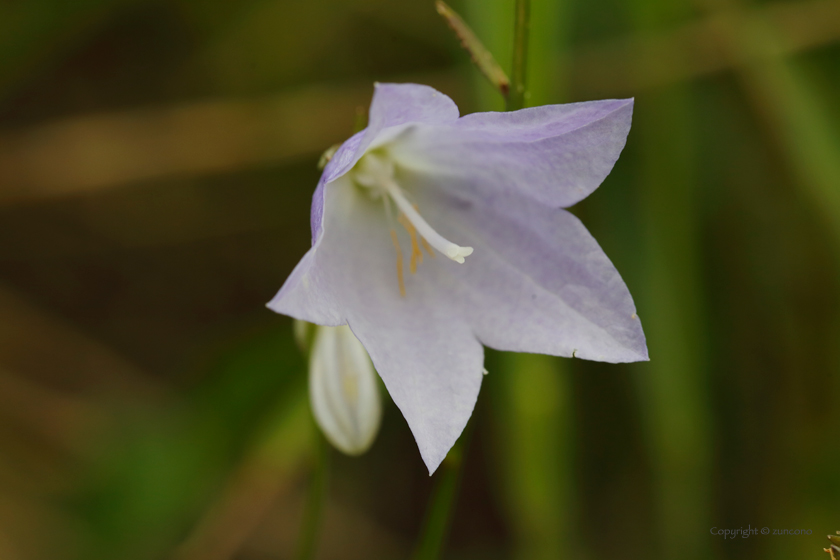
[(377, 173)]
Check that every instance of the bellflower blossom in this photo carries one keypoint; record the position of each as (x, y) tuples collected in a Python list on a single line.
[(475, 205)]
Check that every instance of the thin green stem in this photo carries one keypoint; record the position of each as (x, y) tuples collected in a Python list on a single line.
[(481, 57), (314, 512), (441, 507), (521, 31)]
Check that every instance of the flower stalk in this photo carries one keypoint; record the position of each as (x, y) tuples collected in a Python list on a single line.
[(314, 512), (441, 507), (521, 32), (480, 55), (345, 405)]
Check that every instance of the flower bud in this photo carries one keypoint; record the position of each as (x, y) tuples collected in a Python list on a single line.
[(343, 390)]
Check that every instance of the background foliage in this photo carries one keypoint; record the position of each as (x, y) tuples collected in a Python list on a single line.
[(157, 160)]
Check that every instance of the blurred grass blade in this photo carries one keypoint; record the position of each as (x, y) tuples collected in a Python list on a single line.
[(673, 384), (521, 36), (163, 469), (314, 513), (532, 416), (792, 110), (785, 101), (549, 52), (442, 504), (37, 342), (282, 446), (480, 55), (533, 435)]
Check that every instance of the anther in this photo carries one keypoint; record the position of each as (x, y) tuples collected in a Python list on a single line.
[(399, 262), (427, 247), (416, 253), (451, 250)]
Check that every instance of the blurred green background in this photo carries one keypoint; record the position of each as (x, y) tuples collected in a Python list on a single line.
[(157, 160)]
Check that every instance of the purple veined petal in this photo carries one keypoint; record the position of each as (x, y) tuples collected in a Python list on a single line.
[(316, 211), (432, 366), (396, 104), (306, 297), (421, 345), (556, 154), (393, 105), (537, 281)]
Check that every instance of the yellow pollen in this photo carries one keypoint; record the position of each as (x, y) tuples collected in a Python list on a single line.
[(416, 253), (427, 247), (399, 262)]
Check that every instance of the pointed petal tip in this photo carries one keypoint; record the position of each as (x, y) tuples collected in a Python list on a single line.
[(272, 304), (433, 454), (635, 354), (627, 102), (623, 104), (641, 354), (276, 304), (624, 356), (432, 463)]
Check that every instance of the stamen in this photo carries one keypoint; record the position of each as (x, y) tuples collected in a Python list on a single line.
[(416, 253), (451, 250), (399, 262), (427, 247)]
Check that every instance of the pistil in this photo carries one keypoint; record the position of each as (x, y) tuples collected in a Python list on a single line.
[(377, 173), (436, 240)]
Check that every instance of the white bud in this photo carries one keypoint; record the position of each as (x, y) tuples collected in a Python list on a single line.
[(343, 390)]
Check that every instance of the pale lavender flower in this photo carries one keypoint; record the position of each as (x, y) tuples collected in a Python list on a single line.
[(484, 195)]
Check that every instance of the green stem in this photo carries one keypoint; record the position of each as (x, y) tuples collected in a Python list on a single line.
[(439, 515), (522, 27), (314, 512)]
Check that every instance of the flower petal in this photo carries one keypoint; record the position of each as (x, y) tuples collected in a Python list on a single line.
[(393, 105), (421, 345), (431, 363), (556, 154), (306, 296), (537, 280)]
